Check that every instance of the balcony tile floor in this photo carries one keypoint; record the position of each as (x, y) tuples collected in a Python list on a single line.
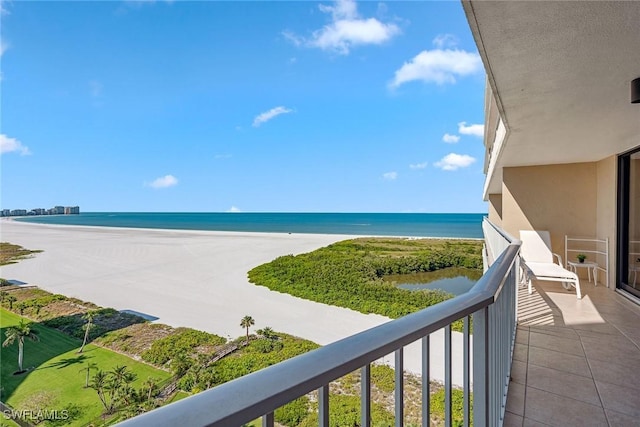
[(576, 362)]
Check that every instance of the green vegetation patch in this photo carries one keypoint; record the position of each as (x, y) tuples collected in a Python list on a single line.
[(344, 410), (259, 354), (350, 273), (10, 254), (56, 376), (183, 342)]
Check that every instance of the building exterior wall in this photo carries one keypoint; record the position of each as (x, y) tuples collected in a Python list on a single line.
[(495, 209), (606, 216), (559, 198)]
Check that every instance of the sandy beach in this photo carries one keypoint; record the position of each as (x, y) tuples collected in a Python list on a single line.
[(187, 278)]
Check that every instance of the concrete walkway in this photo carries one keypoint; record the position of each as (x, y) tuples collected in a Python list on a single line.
[(576, 362)]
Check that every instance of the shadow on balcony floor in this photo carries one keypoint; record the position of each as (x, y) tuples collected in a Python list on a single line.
[(576, 362)]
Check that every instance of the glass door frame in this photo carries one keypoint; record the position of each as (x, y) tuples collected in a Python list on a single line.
[(624, 203)]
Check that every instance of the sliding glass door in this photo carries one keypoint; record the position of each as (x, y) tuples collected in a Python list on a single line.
[(629, 223)]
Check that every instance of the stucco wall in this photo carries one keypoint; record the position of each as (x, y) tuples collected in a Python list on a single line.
[(606, 214), (559, 198), (495, 209)]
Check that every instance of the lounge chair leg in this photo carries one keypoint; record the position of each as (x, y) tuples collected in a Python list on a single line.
[(529, 284), (579, 294)]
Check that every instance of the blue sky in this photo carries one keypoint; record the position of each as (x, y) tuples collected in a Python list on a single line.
[(241, 106)]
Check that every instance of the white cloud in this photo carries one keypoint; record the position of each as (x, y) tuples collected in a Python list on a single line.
[(445, 40), (293, 38), (343, 9), (233, 209), (454, 161), (438, 66), (475, 130), (390, 176), (268, 115), (3, 47), (10, 145), (418, 165), (450, 139), (346, 30), (164, 182)]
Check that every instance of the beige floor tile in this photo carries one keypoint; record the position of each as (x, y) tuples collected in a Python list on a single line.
[(560, 361), (611, 349), (616, 373), (568, 342), (562, 383), (621, 318), (635, 339), (605, 307), (528, 422), (555, 410), (620, 399), (617, 419), (520, 352), (560, 344), (597, 335), (619, 341), (512, 420), (515, 398), (558, 331), (603, 328), (519, 372), (522, 336), (630, 330)]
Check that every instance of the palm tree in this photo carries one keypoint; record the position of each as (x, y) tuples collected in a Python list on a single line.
[(151, 383), (269, 333), (89, 316), (11, 300), (98, 383), (90, 366), (19, 333), (21, 306), (246, 322)]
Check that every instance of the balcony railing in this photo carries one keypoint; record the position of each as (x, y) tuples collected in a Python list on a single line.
[(487, 363)]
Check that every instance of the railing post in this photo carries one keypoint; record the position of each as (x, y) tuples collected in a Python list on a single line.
[(466, 381), (399, 391), (267, 420), (481, 368), (447, 376), (323, 406), (426, 382), (365, 395)]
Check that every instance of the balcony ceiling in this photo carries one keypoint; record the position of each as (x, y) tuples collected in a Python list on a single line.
[(560, 72)]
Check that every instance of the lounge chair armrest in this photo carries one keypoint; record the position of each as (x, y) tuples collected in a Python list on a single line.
[(559, 259)]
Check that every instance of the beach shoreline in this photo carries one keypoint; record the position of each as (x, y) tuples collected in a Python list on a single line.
[(189, 278)]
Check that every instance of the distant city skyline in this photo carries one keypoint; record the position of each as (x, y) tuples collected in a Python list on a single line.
[(175, 106), (56, 210)]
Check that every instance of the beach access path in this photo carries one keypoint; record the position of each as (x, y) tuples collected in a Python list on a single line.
[(196, 279)]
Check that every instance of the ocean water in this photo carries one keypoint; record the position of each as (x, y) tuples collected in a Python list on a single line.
[(460, 225)]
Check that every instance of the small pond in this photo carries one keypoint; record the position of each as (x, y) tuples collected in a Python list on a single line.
[(453, 280)]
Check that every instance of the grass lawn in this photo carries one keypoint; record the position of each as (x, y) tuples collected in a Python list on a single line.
[(57, 377)]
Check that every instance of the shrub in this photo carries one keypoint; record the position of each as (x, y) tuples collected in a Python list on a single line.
[(349, 274), (181, 342), (293, 413)]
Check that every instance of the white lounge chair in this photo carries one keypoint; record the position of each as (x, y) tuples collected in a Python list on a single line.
[(537, 261)]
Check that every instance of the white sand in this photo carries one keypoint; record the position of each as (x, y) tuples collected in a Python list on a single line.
[(188, 278)]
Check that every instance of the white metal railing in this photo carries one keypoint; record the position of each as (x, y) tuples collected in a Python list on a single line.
[(491, 305), (496, 240)]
